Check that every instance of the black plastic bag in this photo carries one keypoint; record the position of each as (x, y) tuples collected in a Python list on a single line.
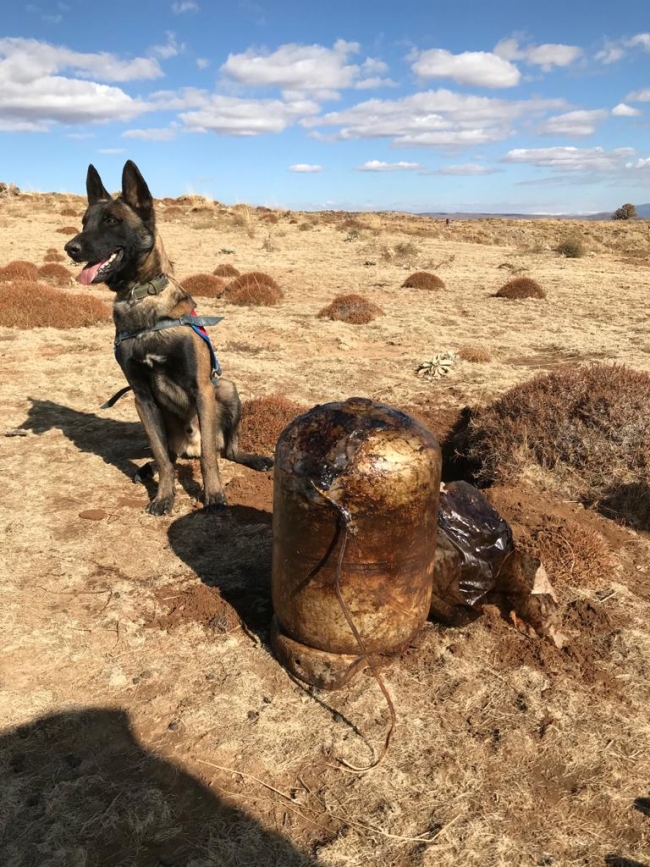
[(475, 541)]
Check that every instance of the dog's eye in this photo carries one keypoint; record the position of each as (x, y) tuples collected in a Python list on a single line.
[(110, 220)]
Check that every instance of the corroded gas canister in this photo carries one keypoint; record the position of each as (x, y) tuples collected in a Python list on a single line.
[(354, 522)]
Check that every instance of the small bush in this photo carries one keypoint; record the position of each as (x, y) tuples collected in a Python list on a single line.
[(521, 287), (587, 428), (226, 270), (423, 280), (254, 289), (204, 285), (69, 212), (68, 230), (28, 305), (264, 419), (55, 274), (571, 248), (172, 213), (53, 256), (18, 270), (474, 354), (625, 212), (353, 309), (406, 250)]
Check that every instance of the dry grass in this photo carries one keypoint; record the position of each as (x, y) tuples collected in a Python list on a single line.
[(571, 248), (68, 230), (423, 280), (55, 274), (474, 354), (245, 218), (226, 270), (18, 269), (264, 419), (587, 428), (69, 212), (521, 287), (204, 285), (31, 305), (253, 289), (353, 309), (54, 256)]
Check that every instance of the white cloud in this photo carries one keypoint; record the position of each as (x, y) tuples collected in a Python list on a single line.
[(202, 62), (611, 53), (623, 110), (110, 151), (573, 123), (432, 118), (304, 69), (639, 95), (547, 56), (643, 164), (171, 48), (153, 134), (469, 169), (80, 135), (305, 168), (28, 59), (10, 125), (479, 68), (379, 166), (642, 39), (230, 115), (572, 159), (185, 6)]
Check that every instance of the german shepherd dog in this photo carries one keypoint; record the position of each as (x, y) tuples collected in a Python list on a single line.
[(183, 410)]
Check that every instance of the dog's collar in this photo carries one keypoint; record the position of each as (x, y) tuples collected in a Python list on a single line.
[(152, 287)]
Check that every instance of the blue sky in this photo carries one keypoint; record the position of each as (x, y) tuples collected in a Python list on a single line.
[(483, 106)]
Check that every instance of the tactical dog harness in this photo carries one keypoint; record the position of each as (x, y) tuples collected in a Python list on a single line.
[(196, 323)]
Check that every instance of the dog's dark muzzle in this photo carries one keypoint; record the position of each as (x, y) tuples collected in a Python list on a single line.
[(74, 249)]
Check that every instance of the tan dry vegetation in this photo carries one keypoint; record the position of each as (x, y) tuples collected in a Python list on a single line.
[(507, 751), (226, 270), (423, 280), (204, 285), (29, 305), (352, 308), (521, 287), (253, 289), (55, 274), (18, 270)]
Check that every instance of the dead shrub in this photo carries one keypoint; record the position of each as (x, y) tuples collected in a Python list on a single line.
[(264, 419), (172, 213), (18, 269), (353, 309), (26, 305), (572, 554), (68, 230), (269, 218), (571, 248), (53, 256), (226, 270), (305, 227), (204, 285), (585, 431), (474, 354), (69, 212), (521, 287), (254, 289), (54, 274), (423, 280)]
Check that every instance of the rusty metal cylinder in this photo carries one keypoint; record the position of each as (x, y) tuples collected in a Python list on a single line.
[(360, 474)]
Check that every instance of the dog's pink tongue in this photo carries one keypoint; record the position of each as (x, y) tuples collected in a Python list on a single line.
[(90, 272)]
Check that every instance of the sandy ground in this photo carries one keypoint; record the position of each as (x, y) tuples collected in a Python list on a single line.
[(144, 724)]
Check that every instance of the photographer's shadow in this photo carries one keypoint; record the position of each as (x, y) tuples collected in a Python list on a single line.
[(78, 788)]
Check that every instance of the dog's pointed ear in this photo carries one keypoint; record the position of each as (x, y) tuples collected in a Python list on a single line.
[(94, 187), (135, 191)]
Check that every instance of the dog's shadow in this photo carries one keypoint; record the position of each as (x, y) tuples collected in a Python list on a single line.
[(119, 443)]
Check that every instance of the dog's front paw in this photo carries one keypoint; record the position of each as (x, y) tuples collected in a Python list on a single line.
[(161, 505), (262, 464), (214, 502)]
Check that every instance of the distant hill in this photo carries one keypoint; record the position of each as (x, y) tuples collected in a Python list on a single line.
[(643, 211)]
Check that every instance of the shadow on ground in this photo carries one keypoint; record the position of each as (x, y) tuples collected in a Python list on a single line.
[(231, 551), (79, 789)]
